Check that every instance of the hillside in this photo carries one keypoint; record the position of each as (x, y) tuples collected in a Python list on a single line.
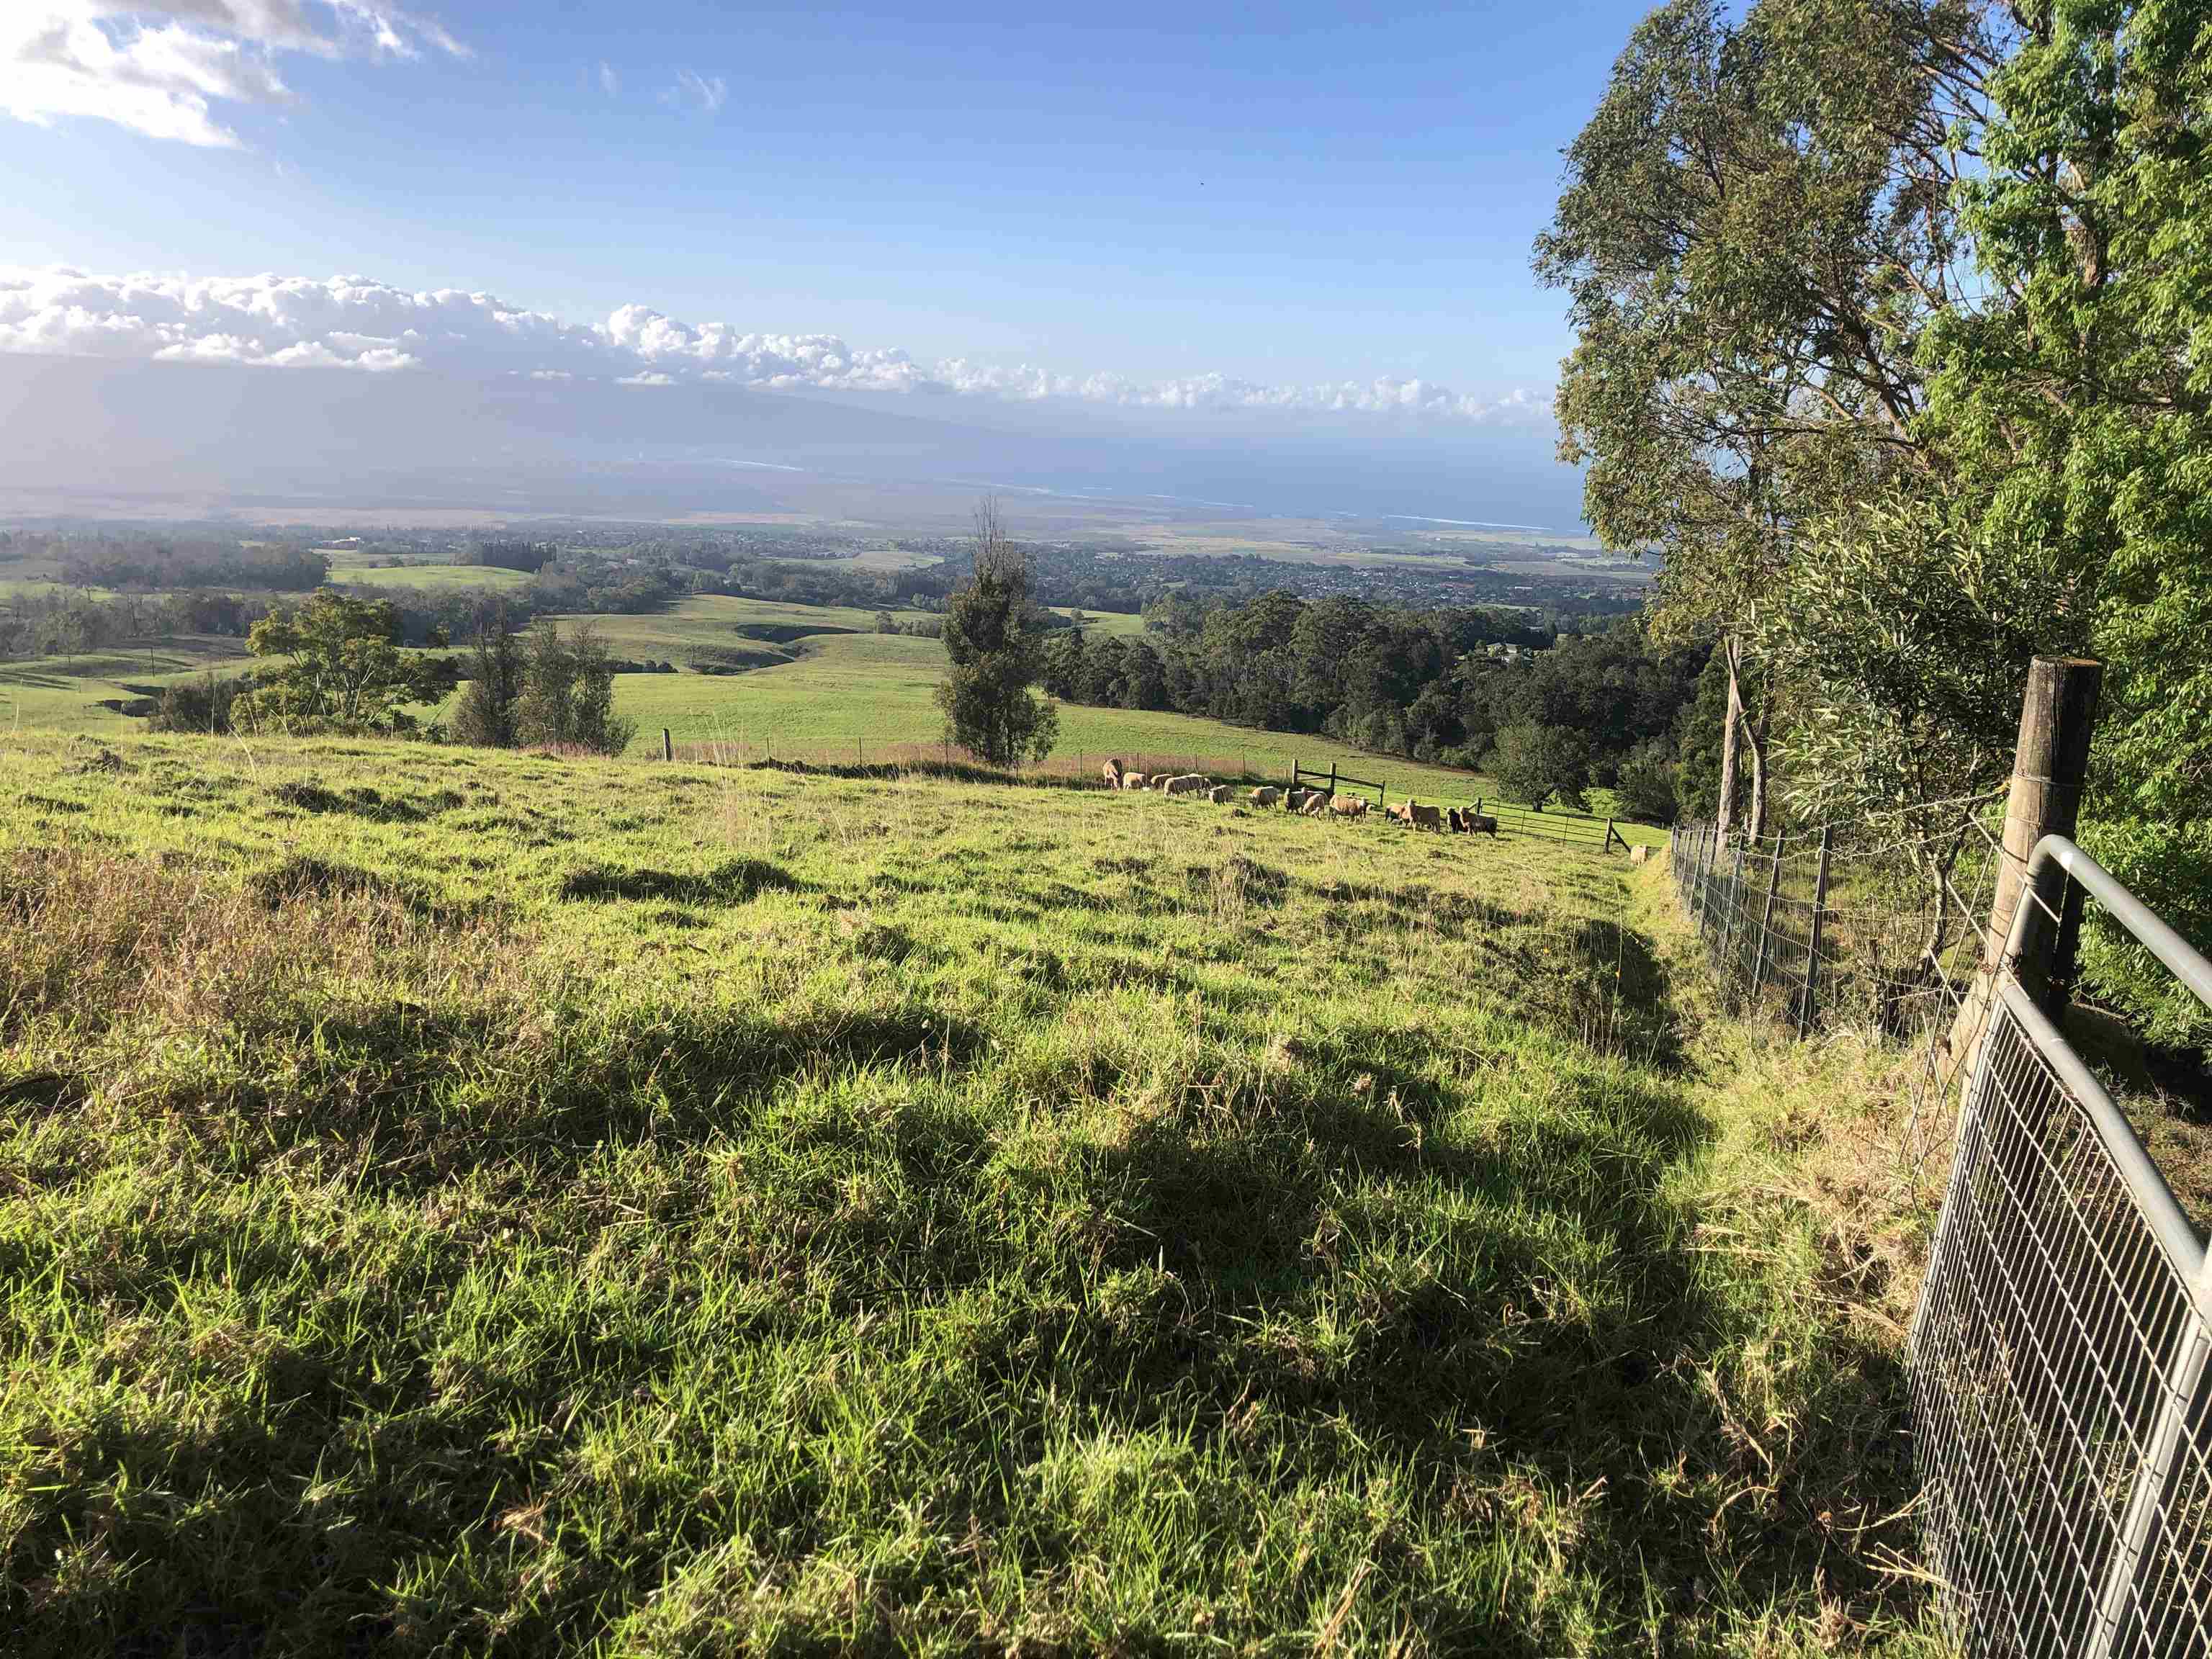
[(480, 1202), (758, 679)]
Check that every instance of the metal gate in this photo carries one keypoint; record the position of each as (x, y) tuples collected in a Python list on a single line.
[(2062, 1396)]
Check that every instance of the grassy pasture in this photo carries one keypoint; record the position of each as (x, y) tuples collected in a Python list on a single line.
[(72, 694), (476, 1202), (1113, 624), (432, 578)]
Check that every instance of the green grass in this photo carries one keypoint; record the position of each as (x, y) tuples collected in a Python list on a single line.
[(431, 578), (75, 695), (464, 1202), (1112, 625)]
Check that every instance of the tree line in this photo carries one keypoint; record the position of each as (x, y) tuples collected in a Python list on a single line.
[(1891, 320), (1549, 715), (337, 664)]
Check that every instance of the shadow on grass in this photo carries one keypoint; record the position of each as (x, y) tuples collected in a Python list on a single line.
[(735, 881)]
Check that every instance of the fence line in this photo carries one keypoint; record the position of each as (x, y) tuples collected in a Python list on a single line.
[(2060, 1362)]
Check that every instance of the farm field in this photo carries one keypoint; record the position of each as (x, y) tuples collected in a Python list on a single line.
[(463, 1201), (431, 578), (72, 694), (1114, 624)]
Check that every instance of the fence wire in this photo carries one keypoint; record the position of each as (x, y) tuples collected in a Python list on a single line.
[(1869, 924), (2060, 1362)]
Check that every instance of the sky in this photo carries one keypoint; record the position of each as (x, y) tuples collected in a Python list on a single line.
[(1298, 208)]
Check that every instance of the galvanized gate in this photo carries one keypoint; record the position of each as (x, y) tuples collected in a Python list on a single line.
[(2061, 1357)]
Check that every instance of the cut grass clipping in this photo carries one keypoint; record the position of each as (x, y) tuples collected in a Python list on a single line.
[(472, 1203)]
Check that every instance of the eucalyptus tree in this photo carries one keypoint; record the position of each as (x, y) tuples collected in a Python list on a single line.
[(1755, 230)]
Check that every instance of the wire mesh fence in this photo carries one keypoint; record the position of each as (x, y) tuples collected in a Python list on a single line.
[(1870, 922), (2060, 1361), (2061, 1398)]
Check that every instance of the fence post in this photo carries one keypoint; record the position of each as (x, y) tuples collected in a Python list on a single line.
[(1767, 917), (1700, 862), (1820, 925), (667, 744), (2056, 718), (2057, 713), (1331, 779)]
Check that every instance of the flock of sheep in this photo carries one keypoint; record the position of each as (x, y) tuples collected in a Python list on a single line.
[(1314, 802)]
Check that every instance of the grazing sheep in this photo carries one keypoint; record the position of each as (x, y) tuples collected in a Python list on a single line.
[(1218, 793), (1317, 804), (1427, 818), (1161, 781), (1133, 780), (1266, 795), (1403, 812), (1112, 772), (1190, 783), (1349, 806), (1480, 824)]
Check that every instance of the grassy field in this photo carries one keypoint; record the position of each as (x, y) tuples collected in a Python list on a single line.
[(432, 578), (462, 1202), (87, 693), (1114, 624)]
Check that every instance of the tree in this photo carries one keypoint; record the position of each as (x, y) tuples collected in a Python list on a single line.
[(1757, 232), (486, 713), (1532, 763), (1644, 785), (346, 672), (568, 694), (544, 714), (995, 648)]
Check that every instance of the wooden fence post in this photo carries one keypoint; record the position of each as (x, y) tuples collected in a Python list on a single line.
[(1331, 779), (2057, 715), (667, 744), (1766, 918), (2056, 718), (1819, 927)]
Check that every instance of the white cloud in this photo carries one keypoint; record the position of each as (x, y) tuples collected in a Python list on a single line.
[(162, 67), (705, 94), (610, 83), (355, 323)]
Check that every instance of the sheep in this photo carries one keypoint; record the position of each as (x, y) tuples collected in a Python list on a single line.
[(1427, 818), (1403, 812), (1317, 804), (1112, 772), (1161, 781), (1133, 780), (1266, 795), (1350, 806), (1481, 823), (1295, 800), (1218, 793), (1190, 783)]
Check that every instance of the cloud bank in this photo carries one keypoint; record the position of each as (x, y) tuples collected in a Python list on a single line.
[(355, 323), (160, 67)]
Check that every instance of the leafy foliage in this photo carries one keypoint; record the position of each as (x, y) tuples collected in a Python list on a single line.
[(346, 671), (995, 644)]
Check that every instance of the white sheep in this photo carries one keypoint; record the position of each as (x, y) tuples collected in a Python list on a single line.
[(1267, 795), (1218, 793)]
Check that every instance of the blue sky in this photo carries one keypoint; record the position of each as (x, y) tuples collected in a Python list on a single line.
[(1282, 193), (1313, 221)]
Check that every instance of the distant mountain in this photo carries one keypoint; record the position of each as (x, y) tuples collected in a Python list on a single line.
[(136, 439)]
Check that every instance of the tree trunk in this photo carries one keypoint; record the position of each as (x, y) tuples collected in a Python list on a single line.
[(1755, 733), (1724, 817)]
